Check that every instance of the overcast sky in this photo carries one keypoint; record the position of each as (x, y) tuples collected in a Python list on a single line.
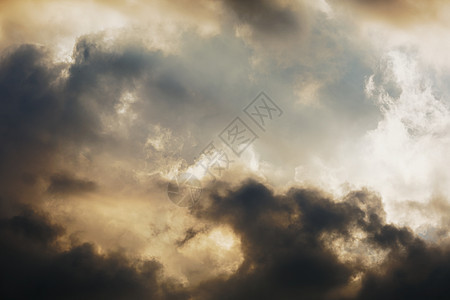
[(317, 134)]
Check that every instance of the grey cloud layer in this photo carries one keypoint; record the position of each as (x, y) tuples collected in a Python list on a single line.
[(267, 17), (399, 12), (35, 268), (285, 256), (51, 112)]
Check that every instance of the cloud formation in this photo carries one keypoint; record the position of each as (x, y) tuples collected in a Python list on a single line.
[(267, 17), (401, 12), (103, 103), (298, 244), (286, 243), (37, 268)]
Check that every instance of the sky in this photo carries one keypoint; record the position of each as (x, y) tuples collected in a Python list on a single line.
[(224, 149)]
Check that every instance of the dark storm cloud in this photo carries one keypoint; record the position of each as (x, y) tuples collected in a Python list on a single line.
[(37, 108), (285, 242), (266, 17), (42, 119), (30, 118), (285, 256), (50, 111), (31, 226), (42, 111), (66, 184), (280, 235), (420, 273), (34, 268)]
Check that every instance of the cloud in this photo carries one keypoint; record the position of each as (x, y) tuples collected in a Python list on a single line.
[(66, 184), (297, 244), (401, 157), (108, 125), (37, 269), (117, 90), (59, 27), (420, 273), (266, 17), (401, 12), (69, 131), (283, 256), (287, 254)]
